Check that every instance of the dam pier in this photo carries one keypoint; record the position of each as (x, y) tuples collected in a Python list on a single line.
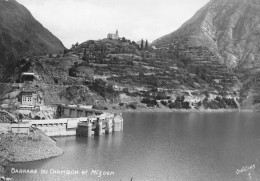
[(76, 121), (103, 124)]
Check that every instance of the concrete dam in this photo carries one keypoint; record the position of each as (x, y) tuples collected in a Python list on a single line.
[(79, 122)]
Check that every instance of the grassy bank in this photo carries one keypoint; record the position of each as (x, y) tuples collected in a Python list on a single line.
[(23, 148)]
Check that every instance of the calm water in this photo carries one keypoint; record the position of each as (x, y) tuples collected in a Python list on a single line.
[(162, 146)]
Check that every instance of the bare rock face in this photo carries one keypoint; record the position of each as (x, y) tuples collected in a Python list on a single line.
[(229, 28)]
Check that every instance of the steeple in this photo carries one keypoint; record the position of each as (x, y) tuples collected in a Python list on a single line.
[(113, 36)]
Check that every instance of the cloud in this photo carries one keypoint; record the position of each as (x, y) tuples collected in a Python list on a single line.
[(79, 20)]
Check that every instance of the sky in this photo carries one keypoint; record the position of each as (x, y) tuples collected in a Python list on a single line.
[(81, 20)]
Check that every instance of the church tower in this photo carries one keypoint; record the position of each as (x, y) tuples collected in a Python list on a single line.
[(113, 36)]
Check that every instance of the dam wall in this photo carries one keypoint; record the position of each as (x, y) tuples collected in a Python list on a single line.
[(105, 123)]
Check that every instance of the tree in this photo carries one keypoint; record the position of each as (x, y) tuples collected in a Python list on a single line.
[(141, 74), (85, 51), (73, 72), (58, 56), (142, 44), (146, 45), (65, 51)]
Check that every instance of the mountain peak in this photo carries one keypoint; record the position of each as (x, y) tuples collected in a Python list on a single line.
[(21, 34), (229, 28)]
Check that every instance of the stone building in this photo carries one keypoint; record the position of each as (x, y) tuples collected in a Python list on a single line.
[(27, 77), (113, 36), (28, 98)]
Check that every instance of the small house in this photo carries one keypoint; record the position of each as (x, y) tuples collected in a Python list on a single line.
[(27, 77), (20, 128)]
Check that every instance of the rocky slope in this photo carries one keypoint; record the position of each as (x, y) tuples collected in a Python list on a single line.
[(229, 28), (22, 35)]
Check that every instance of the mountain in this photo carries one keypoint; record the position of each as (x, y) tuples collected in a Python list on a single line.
[(186, 69), (229, 28), (22, 35)]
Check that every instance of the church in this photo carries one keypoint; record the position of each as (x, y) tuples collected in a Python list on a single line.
[(113, 36)]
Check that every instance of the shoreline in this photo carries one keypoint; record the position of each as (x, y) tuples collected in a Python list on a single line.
[(167, 110)]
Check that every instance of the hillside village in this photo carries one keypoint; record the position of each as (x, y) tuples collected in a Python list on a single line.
[(118, 74)]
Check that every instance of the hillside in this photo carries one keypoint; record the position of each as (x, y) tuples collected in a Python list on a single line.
[(230, 30), (22, 35), (183, 70), (120, 75)]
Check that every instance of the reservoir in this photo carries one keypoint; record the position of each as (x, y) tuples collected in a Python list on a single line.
[(159, 146)]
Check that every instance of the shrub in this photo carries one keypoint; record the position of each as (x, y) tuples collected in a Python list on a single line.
[(149, 101), (100, 107), (220, 103), (174, 105), (161, 96), (180, 99), (179, 103), (231, 103), (164, 103), (121, 104), (37, 117), (186, 105), (213, 105), (132, 105), (151, 105)]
